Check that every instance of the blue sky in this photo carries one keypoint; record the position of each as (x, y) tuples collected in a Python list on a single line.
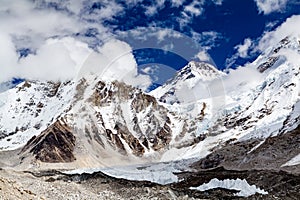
[(227, 33), (232, 21)]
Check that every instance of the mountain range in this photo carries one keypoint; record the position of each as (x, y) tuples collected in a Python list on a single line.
[(246, 119)]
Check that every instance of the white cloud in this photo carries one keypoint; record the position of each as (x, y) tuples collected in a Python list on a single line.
[(148, 70), (151, 10), (32, 22), (8, 57), (291, 56), (244, 48), (217, 2), (66, 58), (115, 61), (207, 39), (169, 40), (107, 11), (23, 20), (269, 6), (194, 8), (271, 25), (151, 37), (177, 3), (269, 38), (230, 61), (241, 76), (48, 33), (242, 79), (289, 28), (56, 59), (163, 33), (203, 56)]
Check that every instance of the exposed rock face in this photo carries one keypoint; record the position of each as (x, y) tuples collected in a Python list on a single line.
[(129, 119), (266, 65), (272, 153), (55, 144)]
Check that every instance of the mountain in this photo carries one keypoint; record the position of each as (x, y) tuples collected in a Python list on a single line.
[(97, 120), (201, 114), (257, 109), (175, 89), (29, 108)]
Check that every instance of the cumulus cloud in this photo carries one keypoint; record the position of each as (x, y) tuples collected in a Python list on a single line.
[(203, 56), (243, 49), (177, 3), (242, 79), (242, 52), (31, 25), (103, 10), (115, 61), (189, 9), (8, 57), (194, 8), (32, 22), (49, 31), (65, 58), (56, 59), (269, 6)]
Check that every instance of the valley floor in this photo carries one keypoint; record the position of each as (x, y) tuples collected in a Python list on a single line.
[(55, 185), (50, 185)]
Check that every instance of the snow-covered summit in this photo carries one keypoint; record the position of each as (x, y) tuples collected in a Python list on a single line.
[(286, 50), (178, 88), (200, 70)]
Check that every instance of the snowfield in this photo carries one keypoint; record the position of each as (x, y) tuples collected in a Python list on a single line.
[(245, 190)]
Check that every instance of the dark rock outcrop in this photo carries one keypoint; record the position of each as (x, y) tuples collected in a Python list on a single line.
[(55, 144), (250, 154), (266, 65)]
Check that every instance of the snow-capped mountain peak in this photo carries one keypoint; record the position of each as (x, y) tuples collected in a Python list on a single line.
[(200, 70), (193, 74), (277, 54), (112, 123)]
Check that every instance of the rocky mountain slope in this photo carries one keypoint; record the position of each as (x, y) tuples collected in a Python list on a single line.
[(29, 108)]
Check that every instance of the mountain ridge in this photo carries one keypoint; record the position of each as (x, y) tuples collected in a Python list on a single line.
[(112, 119)]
